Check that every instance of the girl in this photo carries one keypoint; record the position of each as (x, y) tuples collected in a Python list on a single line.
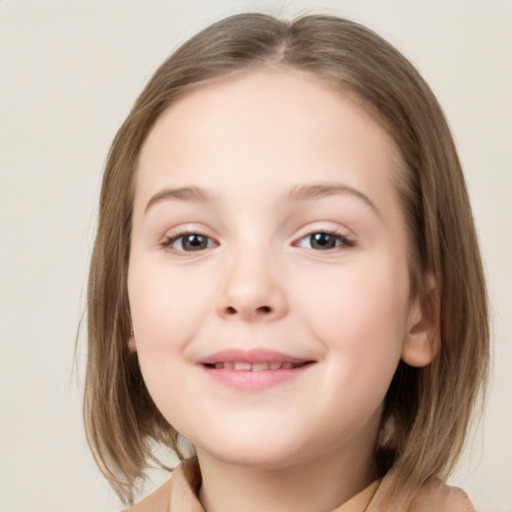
[(286, 274)]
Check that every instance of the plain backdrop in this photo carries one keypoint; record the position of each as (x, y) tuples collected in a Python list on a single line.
[(69, 72)]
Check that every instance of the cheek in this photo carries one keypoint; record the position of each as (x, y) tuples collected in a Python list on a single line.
[(359, 313), (166, 306), (167, 310)]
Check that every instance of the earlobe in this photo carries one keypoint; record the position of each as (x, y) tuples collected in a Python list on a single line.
[(420, 349), (132, 345), (422, 338)]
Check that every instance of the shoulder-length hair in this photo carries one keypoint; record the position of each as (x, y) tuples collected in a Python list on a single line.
[(428, 408)]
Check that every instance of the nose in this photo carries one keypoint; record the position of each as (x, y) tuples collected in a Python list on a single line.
[(252, 288)]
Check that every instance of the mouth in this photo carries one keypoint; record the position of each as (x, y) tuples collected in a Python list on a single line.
[(253, 370), (254, 367)]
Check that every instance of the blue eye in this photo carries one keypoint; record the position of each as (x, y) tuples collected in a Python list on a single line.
[(189, 242), (323, 241)]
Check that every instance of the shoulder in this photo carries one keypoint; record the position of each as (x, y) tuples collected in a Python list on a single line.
[(432, 496), (440, 497), (158, 501), (179, 493)]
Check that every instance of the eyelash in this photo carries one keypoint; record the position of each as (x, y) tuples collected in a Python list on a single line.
[(169, 241), (341, 241)]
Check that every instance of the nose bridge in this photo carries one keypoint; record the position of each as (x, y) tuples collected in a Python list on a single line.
[(252, 287)]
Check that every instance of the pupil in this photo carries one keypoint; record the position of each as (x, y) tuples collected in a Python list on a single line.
[(194, 242), (322, 241)]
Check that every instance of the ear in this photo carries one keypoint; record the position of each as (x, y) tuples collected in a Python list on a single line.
[(132, 345), (422, 338)]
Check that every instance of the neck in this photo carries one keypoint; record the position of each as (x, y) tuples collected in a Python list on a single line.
[(313, 486)]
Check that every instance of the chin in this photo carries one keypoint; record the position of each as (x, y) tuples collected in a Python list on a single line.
[(268, 454)]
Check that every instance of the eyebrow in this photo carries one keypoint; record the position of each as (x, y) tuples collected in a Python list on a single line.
[(320, 190), (187, 194), (296, 193)]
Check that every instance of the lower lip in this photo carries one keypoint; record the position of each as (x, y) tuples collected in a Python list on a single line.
[(246, 380)]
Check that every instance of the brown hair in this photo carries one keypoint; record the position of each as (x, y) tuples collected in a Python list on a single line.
[(429, 408)]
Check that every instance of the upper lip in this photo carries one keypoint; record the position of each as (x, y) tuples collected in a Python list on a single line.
[(250, 356)]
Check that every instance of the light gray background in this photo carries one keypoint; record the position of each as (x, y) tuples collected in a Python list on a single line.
[(69, 72)]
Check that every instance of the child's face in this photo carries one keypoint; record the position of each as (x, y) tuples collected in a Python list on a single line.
[(267, 229)]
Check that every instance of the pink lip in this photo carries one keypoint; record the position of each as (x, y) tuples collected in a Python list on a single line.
[(247, 380), (250, 356)]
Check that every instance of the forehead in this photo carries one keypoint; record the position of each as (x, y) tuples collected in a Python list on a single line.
[(240, 99), (257, 124)]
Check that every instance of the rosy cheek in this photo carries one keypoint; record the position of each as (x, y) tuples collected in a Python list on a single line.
[(167, 306), (354, 307)]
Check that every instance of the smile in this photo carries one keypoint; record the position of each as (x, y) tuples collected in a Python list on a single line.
[(255, 367), (253, 370)]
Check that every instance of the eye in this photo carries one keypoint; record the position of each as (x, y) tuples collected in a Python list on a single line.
[(189, 242), (323, 241)]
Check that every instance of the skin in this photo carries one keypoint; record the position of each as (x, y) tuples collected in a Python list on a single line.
[(261, 282)]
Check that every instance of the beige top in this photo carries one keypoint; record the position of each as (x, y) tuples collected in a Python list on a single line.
[(179, 494)]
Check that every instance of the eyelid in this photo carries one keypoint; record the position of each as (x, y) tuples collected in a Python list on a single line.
[(171, 236), (347, 237), (325, 227)]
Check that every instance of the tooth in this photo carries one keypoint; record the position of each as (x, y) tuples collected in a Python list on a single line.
[(242, 366), (229, 366), (258, 367), (275, 366), (287, 365), (218, 366)]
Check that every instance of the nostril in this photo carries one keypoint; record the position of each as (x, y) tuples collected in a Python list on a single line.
[(231, 311)]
